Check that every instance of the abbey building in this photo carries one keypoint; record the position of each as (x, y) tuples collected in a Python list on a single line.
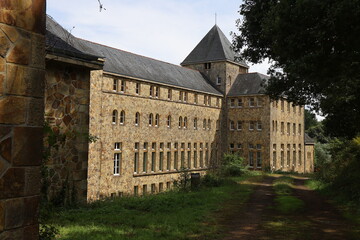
[(131, 123)]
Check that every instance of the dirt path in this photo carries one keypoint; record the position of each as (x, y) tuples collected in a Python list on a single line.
[(257, 219)]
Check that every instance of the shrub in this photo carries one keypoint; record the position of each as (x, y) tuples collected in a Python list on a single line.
[(232, 165), (211, 180)]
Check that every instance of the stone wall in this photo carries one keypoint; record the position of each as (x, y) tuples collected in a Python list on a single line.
[(243, 140), (67, 112), (22, 27), (102, 182), (287, 136), (309, 158)]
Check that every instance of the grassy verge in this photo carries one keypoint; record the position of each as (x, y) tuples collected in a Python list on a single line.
[(170, 215), (285, 203)]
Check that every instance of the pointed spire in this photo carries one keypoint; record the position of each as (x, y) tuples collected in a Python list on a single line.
[(213, 47)]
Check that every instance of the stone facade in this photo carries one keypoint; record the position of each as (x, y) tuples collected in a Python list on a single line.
[(67, 99), (179, 140), (22, 54)]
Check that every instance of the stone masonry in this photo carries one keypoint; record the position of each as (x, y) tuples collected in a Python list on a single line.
[(22, 28)]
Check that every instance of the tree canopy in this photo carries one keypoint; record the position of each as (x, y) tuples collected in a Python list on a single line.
[(314, 50)]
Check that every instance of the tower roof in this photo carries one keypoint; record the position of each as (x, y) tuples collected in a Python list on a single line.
[(213, 47)]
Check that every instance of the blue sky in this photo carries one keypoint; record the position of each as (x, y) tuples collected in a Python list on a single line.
[(162, 29)]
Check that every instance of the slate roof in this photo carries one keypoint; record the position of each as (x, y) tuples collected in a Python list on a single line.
[(213, 47), (248, 84), (308, 140), (129, 64)]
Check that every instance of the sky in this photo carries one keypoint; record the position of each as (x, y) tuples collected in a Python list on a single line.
[(167, 30)]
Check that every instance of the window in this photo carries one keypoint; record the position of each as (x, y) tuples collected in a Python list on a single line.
[(153, 188), (294, 129), (117, 159), (251, 158), (180, 96), (239, 146), (201, 156), (282, 158), (300, 160), (151, 119), (239, 125), (294, 108), (153, 160), (144, 189), (122, 117), (185, 122), (168, 160), (136, 190), (115, 85), (122, 86), (259, 102), (168, 121), (161, 187), (195, 98), (169, 94), (157, 92), (259, 125), (114, 117), (251, 102), (180, 122), (232, 145), (274, 159), (207, 65), (282, 105), (195, 155), (136, 158), (188, 159), (204, 124), (294, 158), (205, 101), (282, 127), (137, 89), (176, 156), (157, 119), (195, 123), (185, 96), (117, 146), (288, 155), (258, 159), (182, 159), (218, 80), (232, 125), (288, 106), (209, 124), (151, 91), (251, 125), (209, 101), (240, 103), (288, 128), (168, 185), (217, 102), (145, 157), (232, 102), (299, 129), (137, 119)]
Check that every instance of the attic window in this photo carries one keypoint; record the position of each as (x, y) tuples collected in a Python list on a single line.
[(218, 80), (207, 65)]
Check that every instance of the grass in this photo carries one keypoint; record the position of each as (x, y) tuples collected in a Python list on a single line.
[(285, 203), (169, 215)]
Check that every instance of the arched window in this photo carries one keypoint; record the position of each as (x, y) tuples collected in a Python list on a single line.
[(114, 116), (232, 125), (151, 119), (122, 117), (185, 122), (209, 124), (180, 122), (156, 120), (204, 124), (137, 119), (195, 123), (168, 121)]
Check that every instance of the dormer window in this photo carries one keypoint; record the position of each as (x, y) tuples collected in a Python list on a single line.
[(207, 65)]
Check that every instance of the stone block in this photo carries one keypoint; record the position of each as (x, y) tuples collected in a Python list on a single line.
[(10, 32), (25, 81), (2, 215), (27, 148), (2, 83), (2, 64), (32, 181), (14, 213), (13, 110), (36, 112), (37, 51), (12, 183), (5, 149), (31, 212), (4, 44), (20, 53)]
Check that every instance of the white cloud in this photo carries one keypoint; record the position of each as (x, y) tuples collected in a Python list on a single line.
[(162, 29)]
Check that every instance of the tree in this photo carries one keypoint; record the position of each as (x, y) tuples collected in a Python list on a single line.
[(314, 50)]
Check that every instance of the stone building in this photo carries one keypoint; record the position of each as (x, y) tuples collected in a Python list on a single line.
[(152, 119)]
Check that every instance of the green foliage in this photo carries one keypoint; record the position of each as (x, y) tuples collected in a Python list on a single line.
[(212, 180), (314, 48), (183, 183), (168, 215), (232, 165), (47, 232)]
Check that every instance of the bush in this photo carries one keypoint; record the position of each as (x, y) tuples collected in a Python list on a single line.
[(212, 180), (232, 165)]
